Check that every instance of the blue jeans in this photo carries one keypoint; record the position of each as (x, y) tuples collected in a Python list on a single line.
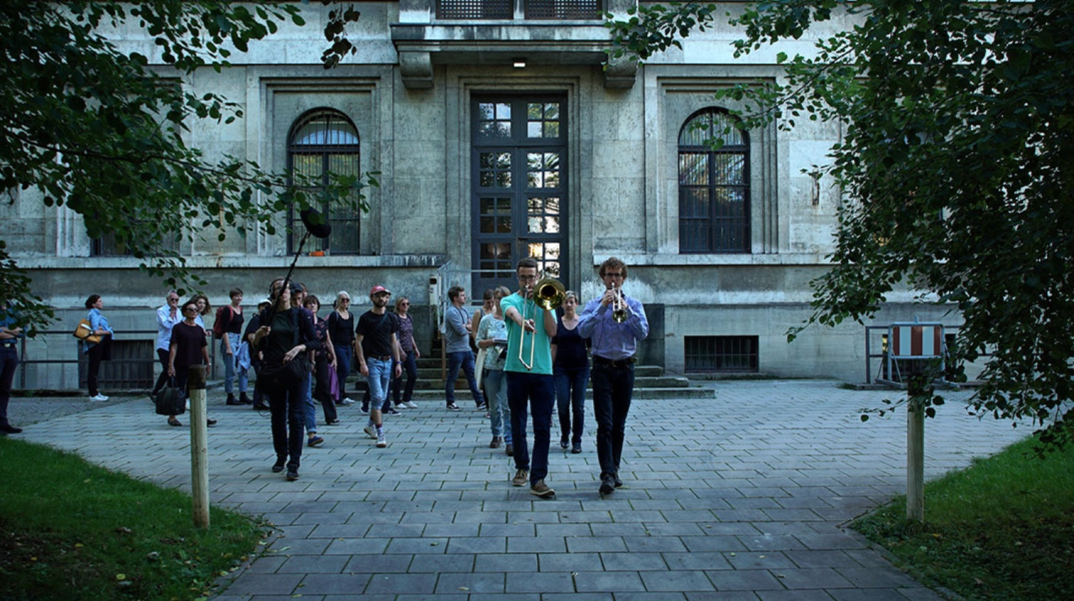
[(410, 367), (344, 355), (613, 387), (380, 374), (306, 402), (499, 411), (465, 359), (537, 391), (230, 369), (570, 395)]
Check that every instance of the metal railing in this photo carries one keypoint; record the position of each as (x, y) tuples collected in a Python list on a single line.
[(505, 10)]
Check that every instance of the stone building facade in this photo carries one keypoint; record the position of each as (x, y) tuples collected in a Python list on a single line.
[(499, 130)]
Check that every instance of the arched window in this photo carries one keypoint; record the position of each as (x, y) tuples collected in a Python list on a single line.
[(714, 185), (324, 141)]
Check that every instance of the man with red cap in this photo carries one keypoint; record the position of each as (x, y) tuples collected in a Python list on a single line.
[(376, 345)]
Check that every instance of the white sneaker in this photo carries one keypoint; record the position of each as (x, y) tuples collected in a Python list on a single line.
[(381, 441), (370, 432), (345, 401), (99, 397), (410, 405), (400, 406)]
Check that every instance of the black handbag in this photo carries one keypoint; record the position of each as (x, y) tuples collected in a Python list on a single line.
[(169, 400)]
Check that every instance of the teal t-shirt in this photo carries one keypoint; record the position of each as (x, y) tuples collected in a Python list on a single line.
[(542, 352)]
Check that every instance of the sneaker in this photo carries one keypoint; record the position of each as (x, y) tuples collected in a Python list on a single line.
[(400, 406), (371, 432), (391, 411), (481, 407), (278, 466), (564, 443), (541, 489), (315, 441), (509, 450), (345, 401), (607, 485), (410, 405), (576, 448), (618, 482), (381, 441), (210, 422), (453, 407), (98, 397), (292, 475), (521, 478)]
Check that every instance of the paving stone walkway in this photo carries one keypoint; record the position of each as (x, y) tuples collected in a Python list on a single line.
[(741, 497)]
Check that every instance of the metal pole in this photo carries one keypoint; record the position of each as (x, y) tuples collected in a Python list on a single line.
[(199, 448)]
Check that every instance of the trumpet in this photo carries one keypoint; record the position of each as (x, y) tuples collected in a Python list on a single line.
[(548, 294), (619, 306)]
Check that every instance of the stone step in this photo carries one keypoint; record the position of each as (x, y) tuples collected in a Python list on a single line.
[(432, 372), (690, 392)]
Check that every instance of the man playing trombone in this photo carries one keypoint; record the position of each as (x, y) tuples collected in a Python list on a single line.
[(614, 323), (530, 328)]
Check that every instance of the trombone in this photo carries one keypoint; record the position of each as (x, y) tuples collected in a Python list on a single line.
[(548, 294), (619, 306)]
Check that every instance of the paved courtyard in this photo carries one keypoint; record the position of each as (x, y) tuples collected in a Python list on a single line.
[(741, 497)]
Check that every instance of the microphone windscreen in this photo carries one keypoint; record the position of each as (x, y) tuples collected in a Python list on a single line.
[(316, 224)]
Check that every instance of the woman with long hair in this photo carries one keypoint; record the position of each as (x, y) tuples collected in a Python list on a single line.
[(285, 333), (341, 332), (323, 361), (188, 347), (411, 354), (570, 369), (97, 351)]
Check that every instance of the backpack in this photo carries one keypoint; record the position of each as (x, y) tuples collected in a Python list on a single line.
[(220, 324)]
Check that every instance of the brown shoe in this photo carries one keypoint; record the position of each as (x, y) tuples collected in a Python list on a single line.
[(496, 442), (510, 450), (521, 478), (541, 489)]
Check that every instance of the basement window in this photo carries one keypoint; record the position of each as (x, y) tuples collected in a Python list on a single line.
[(721, 354)]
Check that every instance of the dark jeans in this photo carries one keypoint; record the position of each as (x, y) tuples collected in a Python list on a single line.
[(321, 390), (102, 351), (288, 422), (464, 359), (344, 355), (538, 392), (9, 360), (570, 395), (613, 387), (162, 379), (410, 368)]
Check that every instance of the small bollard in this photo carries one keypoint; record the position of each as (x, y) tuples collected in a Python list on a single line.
[(199, 447)]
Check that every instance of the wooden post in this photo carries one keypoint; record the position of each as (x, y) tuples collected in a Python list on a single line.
[(915, 460), (199, 447)]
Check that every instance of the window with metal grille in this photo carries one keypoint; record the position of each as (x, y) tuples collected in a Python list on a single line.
[(131, 366), (325, 141), (474, 9), (716, 354), (714, 192), (563, 9)]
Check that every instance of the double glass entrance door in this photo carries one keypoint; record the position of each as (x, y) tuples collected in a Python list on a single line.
[(518, 173)]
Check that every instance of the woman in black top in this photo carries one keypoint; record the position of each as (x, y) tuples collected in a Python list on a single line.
[(286, 332), (188, 347), (570, 370), (341, 331), (323, 361)]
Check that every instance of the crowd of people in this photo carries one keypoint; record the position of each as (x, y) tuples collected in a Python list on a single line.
[(529, 362)]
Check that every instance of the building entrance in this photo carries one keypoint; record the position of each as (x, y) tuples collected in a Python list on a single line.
[(518, 172)]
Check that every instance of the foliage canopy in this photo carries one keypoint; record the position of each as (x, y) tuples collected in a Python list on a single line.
[(105, 132), (957, 166)]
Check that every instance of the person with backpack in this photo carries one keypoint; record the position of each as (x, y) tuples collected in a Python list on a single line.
[(227, 328)]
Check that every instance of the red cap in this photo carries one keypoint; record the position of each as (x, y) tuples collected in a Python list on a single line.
[(377, 289)]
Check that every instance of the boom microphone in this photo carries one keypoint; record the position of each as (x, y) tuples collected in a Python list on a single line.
[(315, 223)]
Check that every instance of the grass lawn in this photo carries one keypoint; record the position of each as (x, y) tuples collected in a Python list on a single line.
[(1002, 530), (73, 531)]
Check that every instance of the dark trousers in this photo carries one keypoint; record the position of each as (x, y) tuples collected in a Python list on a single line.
[(288, 422), (344, 355), (321, 390), (410, 368), (162, 379), (9, 360), (465, 360), (526, 393), (102, 351), (613, 387), (570, 396)]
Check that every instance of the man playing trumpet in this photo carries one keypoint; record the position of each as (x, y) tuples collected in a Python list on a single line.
[(530, 329), (614, 323)]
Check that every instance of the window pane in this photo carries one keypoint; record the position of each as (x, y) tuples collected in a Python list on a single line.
[(729, 168), (693, 169)]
